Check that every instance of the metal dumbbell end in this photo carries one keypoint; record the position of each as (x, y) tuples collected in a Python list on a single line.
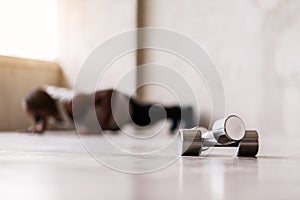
[(191, 141), (231, 128), (249, 145), (225, 131)]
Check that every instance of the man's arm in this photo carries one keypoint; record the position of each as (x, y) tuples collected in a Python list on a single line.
[(39, 126), (102, 95), (103, 99)]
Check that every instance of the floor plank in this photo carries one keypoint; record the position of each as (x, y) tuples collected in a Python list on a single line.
[(57, 166)]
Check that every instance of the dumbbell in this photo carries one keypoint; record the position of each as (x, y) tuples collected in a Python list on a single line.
[(227, 132)]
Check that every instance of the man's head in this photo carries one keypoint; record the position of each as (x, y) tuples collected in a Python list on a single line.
[(39, 104)]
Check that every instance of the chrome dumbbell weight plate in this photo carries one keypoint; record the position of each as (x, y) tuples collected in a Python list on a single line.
[(190, 142), (231, 128), (225, 131), (249, 145)]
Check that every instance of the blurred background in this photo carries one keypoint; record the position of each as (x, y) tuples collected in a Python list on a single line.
[(253, 43)]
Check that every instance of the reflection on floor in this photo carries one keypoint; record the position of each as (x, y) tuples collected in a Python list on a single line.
[(57, 166)]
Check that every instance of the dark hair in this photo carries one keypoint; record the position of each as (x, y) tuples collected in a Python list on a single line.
[(40, 100)]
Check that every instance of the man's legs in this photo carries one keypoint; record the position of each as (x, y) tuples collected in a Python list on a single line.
[(144, 114)]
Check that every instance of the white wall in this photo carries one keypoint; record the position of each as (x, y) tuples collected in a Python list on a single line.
[(83, 25), (255, 46)]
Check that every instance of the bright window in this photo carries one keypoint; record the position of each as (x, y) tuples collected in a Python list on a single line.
[(28, 28)]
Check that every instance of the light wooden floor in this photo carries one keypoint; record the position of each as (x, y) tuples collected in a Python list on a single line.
[(56, 166)]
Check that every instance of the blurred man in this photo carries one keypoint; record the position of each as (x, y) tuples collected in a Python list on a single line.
[(54, 105)]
